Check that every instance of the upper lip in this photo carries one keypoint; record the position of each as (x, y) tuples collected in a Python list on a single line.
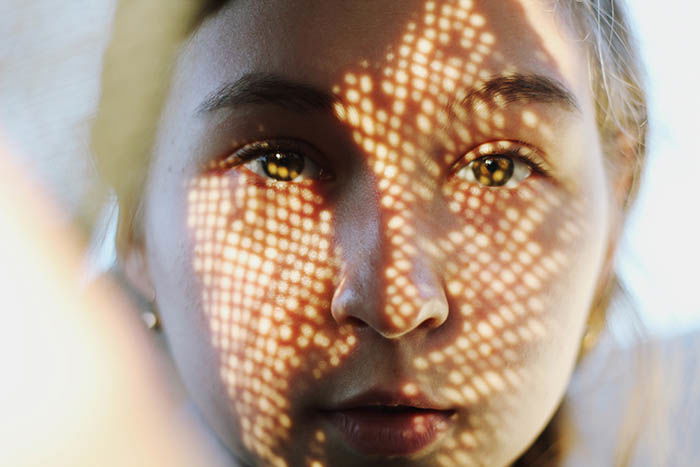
[(378, 397)]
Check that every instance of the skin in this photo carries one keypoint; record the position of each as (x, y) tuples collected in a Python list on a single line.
[(398, 270)]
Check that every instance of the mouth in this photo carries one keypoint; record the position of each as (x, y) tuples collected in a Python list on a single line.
[(385, 424)]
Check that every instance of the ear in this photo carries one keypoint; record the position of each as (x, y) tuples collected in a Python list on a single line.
[(623, 176), (625, 171), (135, 267)]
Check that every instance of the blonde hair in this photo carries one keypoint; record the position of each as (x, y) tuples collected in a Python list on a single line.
[(617, 79)]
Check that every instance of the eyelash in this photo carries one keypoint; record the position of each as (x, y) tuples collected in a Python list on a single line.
[(514, 150), (258, 149)]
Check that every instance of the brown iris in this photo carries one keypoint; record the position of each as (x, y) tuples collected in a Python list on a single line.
[(282, 166), (493, 170)]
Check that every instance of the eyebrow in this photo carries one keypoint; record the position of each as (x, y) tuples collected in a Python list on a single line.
[(266, 89), (273, 89), (523, 88)]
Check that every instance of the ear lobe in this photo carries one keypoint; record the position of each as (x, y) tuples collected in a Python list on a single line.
[(135, 267)]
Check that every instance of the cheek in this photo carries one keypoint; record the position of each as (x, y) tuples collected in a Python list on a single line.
[(511, 254), (262, 256), (520, 272)]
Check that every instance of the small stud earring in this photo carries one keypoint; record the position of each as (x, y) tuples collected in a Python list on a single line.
[(149, 312), (145, 305), (151, 318)]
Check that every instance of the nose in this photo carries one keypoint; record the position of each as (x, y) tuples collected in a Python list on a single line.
[(389, 283)]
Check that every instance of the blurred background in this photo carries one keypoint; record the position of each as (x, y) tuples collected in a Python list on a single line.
[(50, 60)]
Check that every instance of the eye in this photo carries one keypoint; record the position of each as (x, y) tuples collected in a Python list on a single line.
[(284, 166), (500, 165), (278, 160), (496, 170)]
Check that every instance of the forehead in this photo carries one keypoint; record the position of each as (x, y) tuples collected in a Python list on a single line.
[(318, 42)]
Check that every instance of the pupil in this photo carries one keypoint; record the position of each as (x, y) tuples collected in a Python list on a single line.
[(491, 165), (282, 166)]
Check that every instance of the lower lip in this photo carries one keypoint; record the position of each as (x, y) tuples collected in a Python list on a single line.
[(378, 433)]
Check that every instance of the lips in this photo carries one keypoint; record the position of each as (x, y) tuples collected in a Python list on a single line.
[(382, 423)]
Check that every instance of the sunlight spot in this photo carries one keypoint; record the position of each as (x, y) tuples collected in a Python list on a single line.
[(367, 106), (420, 363), (436, 357), (401, 77), (470, 394), (424, 46), (264, 326), (529, 118), (353, 96), (365, 84), (368, 125), (353, 116), (410, 389), (454, 287), (485, 349), (388, 87), (485, 330), (531, 281), (456, 377), (424, 124), (468, 440), (488, 38), (321, 340), (482, 240), (477, 20)]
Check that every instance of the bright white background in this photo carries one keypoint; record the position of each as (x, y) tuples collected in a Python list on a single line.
[(49, 70), (660, 257)]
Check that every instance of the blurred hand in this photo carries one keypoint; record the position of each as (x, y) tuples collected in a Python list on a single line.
[(82, 385)]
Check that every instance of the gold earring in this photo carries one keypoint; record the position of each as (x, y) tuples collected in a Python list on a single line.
[(597, 316), (590, 338)]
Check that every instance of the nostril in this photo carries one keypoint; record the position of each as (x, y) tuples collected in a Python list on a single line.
[(429, 323), (361, 302), (355, 322)]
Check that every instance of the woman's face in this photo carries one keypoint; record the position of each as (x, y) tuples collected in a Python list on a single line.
[(375, 228)]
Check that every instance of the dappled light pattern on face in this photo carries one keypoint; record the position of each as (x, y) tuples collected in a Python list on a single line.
[(477, 274), (263, 258)]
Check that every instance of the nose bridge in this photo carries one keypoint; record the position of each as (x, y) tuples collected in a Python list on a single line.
[(413, 286), (390, 281)]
